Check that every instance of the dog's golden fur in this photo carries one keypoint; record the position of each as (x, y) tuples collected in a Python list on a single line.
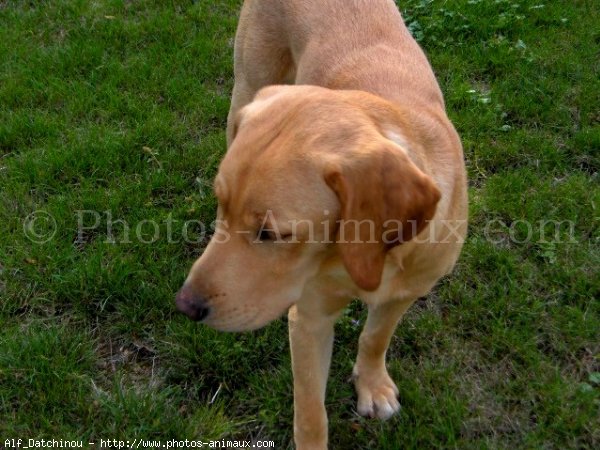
[(360, 137)]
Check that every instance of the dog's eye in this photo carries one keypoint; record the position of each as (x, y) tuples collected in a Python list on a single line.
[(270, 236), (265, 235)]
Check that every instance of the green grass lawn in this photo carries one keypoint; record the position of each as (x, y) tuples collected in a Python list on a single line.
[(119, 107)]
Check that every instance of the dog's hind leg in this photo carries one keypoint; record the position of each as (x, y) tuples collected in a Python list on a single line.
[(377, 393)]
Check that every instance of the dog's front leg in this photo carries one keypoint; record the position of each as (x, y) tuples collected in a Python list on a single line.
[(311, 342), (377, 392)]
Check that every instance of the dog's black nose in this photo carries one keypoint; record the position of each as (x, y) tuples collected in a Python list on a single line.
[(191, 304)]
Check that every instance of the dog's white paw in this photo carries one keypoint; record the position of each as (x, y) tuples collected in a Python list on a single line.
[(377, 394)]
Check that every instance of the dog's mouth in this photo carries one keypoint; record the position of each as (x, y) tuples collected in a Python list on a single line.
[(222, 318), (198, 309), (232, 323)]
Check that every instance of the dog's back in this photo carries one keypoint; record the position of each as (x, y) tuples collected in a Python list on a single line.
[(328, 43)]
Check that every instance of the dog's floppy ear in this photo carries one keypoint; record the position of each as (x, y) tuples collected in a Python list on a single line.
[(385, 200)]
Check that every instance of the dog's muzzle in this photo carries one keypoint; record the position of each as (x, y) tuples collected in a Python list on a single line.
[(191, 304)]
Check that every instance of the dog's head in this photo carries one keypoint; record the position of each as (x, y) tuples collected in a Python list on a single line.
[(309, 177)]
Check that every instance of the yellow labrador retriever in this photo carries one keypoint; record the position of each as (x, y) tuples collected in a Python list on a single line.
[(343, 178)]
